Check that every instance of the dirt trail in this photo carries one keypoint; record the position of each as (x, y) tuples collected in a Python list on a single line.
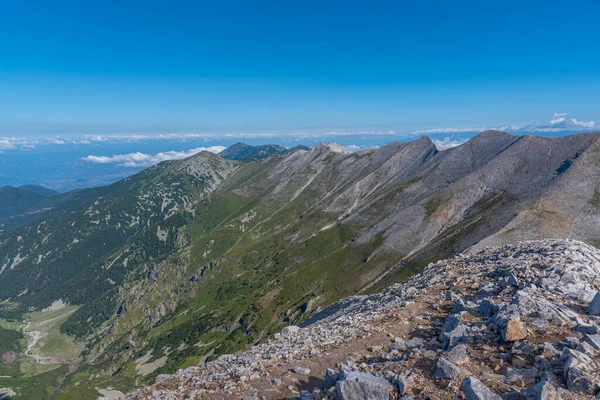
[(388, 328), (35, 336)]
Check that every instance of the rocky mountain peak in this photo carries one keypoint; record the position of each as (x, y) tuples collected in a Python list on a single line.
[(336, 148), (493, 133), (235, 149), (492, 137), (331, 147)]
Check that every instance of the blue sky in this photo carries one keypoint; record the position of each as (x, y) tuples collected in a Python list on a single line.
[(73, 68), (88, 86)]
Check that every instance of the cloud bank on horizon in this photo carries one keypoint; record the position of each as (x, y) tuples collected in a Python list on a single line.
[(559, 123), (138, 159), (67, 163)]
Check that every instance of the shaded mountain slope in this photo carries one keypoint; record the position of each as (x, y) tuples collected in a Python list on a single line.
[(21, 200), (42, 191)]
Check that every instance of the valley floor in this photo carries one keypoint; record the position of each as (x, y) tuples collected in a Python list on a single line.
[(45, 356)]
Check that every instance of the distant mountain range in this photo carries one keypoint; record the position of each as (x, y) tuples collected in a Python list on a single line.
[(194, 258), (245, 152)]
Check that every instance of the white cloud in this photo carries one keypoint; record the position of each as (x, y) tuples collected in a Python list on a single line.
[(560, 123), (95, 138), (585, 125), (557, 118), (447, 130), (352, 148), (230, 135), (449, 142), (6, 144), (138, 159), (11, 143)]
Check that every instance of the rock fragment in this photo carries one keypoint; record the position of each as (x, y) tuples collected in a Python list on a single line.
[(541, 391), (592, 340), (447, 369), (301, 370), (290, 330), (594, 307), (360, 386), (475, 390), (458, 355), (402, 383), (331, 377), (514, 331)]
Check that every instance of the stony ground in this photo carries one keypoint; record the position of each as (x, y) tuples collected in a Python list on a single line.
[(517, 322)]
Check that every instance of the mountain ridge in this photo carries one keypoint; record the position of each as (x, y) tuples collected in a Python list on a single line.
[(247, 153), (226, 252)]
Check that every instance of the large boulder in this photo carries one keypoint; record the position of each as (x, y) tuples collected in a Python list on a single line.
[(594, 307), (291, 330), (402, 383), (514, 331), (579, 372), (528, 376), (331, 377), (359, 386), (541, 391), (592, 340), (475, 390), (448, 370), (454, 332), (582, 381), (458, 355)]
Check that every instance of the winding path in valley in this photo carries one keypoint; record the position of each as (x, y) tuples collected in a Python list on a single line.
[(34, 337)]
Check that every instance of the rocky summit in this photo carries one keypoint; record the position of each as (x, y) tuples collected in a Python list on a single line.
[(513, 322)]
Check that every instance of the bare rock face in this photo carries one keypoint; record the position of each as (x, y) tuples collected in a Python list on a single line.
[(458, 355), (594, 307), (291, 330), (475, 390), (359, 386), (515, 326), (514, 331), (541, 391), (447, 369)]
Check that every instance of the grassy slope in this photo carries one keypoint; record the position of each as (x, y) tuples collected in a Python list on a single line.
[(270, 264), (264, 275), (28, 379)]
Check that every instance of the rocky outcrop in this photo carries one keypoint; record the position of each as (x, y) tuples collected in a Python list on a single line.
[(359, 385), (475, 390), (594, 307), (509, 322)]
